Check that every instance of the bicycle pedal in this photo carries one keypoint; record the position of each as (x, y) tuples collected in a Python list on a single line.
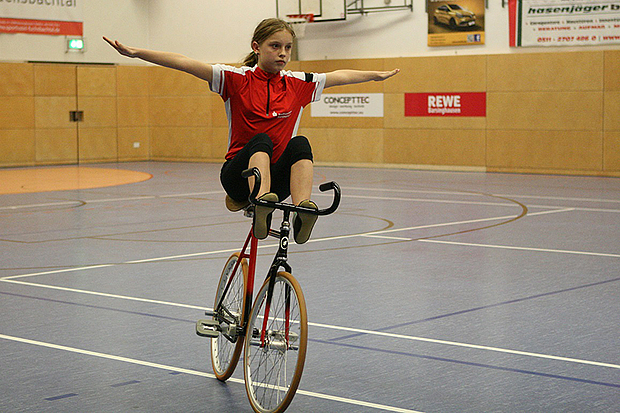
[(208, 328)]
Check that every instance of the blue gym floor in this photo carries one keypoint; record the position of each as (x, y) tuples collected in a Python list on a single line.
[(427, 291)]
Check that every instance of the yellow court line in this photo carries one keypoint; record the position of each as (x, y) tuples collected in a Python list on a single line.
[(29, 180)]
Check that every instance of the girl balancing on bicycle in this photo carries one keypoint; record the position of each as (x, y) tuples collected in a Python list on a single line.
[(264, 104)]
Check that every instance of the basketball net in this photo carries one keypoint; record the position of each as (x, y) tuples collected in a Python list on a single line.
[(299, 23)]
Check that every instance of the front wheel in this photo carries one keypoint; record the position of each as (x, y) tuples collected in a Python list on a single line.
[(274, 356), (226, 348)]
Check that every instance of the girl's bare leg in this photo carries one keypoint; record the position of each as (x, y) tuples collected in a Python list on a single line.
[(302, 173), (261, 161)]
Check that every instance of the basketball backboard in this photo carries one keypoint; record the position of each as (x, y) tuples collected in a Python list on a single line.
[(323, 10)]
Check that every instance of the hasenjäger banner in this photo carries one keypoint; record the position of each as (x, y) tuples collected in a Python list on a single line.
[(49, 17), (455, 22), (564, 22)]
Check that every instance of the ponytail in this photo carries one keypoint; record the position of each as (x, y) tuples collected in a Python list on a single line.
[(250, 60)]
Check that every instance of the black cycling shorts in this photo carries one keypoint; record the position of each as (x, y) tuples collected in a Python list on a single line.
[(237, 186)]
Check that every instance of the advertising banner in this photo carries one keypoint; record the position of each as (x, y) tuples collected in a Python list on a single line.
[(49, 17), (564, 22), (446, 104), (455, 22), (348, 105)]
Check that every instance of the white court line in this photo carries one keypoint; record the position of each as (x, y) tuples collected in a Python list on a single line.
[(341, 328), (386, 237), (94, 201), (456, 192), (508, 247), (553, 211), (197, 373), (14, 207), (466, 345), (91, 267), (338, 237), (132, 198), (437, 201), (107, 295)]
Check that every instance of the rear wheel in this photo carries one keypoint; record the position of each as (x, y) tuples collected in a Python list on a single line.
[(226, 348), (273, 362)]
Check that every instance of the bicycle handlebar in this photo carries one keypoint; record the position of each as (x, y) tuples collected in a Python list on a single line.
[(290, 207)]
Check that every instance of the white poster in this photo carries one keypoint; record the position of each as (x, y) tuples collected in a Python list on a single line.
[(564, 22), (49, 17), (348, 105)]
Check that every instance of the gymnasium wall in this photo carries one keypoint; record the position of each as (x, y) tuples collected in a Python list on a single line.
[(546, 113)]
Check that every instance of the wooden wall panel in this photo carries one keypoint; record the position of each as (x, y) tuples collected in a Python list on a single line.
[(218, 143), (127, 138), (132, 80), (132, 103), (180, 143), (17, 147), (545, 110), (169, 82), (97, 133), (437, 74), (55, 97), (612, 110), (612, 70), (55, 80), (346, 145), (132, 111), (611, 151), (53, 111), (16, 79), (539, 72), (181, 111), (17, 112), (559, 150), (56, 146), (98, 145), (218, 112), (98, 112), (449, 147), (96, 81)]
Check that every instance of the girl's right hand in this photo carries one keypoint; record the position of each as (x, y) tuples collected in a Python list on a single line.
[(121, 48)]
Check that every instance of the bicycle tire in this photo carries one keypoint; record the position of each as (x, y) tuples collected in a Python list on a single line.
[(224, 352), (273, 370)]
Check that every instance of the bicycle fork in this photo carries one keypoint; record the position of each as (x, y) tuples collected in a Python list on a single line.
[(273, 339)]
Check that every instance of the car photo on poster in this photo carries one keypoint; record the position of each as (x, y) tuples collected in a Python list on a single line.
[(454, 16)]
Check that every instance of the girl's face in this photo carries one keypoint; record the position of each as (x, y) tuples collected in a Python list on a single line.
[(275, 52)]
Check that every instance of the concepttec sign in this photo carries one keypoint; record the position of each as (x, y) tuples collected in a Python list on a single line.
[(349, 105), (49, 17), (446, 104)]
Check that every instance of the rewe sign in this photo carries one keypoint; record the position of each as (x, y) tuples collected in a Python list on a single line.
[(446, 104)]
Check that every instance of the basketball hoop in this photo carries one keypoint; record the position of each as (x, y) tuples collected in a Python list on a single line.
[(299, 22)]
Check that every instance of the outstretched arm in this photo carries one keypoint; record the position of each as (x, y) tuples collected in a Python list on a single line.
[(348, 77), (172, 60)]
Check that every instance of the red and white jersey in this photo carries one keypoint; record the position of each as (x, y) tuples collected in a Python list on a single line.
[(261, 102)]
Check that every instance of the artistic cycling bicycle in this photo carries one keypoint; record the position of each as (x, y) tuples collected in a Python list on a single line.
[(272, 331)]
